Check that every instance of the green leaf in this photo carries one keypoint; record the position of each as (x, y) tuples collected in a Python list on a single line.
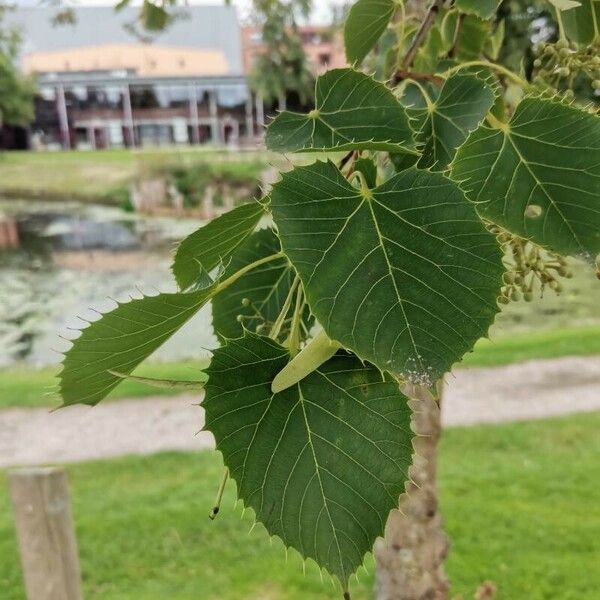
[(153, 17), (365, 24), (266, 287), (214, 243), (429, 54), (582, 24), (474, 35), (496, 41), (406, 275), (548, 158), (322, 463), (481, 8), (121, 340), (368, 168), (459, 109), (353, 112)]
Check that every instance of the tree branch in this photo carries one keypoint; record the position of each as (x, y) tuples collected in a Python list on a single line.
[(422, 33)]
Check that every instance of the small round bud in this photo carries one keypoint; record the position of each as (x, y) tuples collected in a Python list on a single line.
[(562, 44), (528, 296), (564, 71), (246, 302), (554, 285), (549, 50), (537, 63), (509, 277), (564, 52), (240, 318)]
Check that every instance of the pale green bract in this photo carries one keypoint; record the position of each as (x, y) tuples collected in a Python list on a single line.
[(322, 463), (445, 122), (405, 275), (353, 112), (538, 177), (121, 340), (365, 24), (214, 243), (481, 8)]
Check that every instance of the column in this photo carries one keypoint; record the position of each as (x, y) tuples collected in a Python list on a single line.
[(249, 117), (214, 117), (194, 114), (260, 112), (128, 114), (63, 117)]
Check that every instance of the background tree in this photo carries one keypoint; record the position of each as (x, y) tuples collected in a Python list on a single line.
[(282, 67), (16, 91)]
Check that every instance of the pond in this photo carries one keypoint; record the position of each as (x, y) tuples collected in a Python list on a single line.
[(67, 260)]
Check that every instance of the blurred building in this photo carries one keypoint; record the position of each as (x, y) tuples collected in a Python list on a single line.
[(101, 87), (324, 47)]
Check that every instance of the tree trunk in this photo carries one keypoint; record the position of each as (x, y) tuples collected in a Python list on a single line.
[(410, 561)]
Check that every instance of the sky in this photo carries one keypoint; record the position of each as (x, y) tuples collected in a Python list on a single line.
[(321, 12)]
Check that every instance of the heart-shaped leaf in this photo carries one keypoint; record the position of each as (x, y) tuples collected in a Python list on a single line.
[(353, 112), (322, 463), (404, 275), (214, 243), (365, 24), (539, 175), (461, 106)]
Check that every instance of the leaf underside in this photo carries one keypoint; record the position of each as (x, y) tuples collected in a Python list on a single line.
[(120, 341), (365, 24), (266, 287), (461, 106), (214, 243), (322, 463), (353, 112), (549, 158), (407, 280)]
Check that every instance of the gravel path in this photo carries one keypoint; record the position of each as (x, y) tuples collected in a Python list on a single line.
[(531, 390)]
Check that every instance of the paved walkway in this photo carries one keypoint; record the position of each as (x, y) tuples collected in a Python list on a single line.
[(531, 390)]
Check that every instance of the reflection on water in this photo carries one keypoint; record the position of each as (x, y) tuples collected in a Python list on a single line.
[(70, 257)]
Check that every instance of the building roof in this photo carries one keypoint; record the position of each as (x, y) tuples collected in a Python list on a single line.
[(140, 59), (208, 27)]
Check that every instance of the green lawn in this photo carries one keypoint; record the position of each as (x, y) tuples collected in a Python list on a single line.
[(519, 501), (26, 387), (96, 175)]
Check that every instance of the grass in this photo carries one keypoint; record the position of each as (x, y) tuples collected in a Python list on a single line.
[(24, 387), (519, 503), (571, 341), (97, 175)]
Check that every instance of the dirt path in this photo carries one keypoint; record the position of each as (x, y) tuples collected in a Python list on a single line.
[(530, 390)]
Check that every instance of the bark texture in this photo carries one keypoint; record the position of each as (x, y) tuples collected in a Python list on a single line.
[(410, 561)]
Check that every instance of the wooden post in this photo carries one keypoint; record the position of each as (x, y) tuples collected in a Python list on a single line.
[(47, 543)]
